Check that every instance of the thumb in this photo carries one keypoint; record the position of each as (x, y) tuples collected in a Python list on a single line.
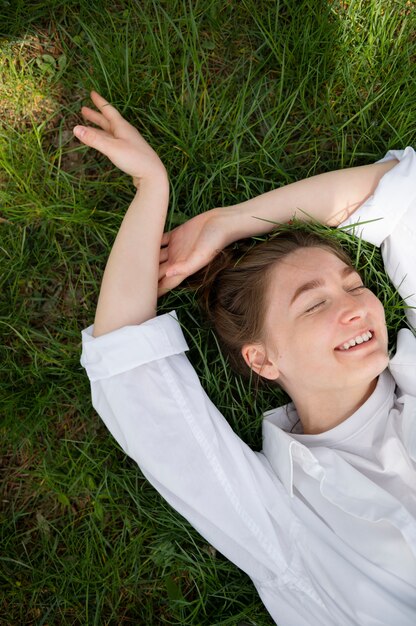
[(181, 268), (166, 284), (195, 261)]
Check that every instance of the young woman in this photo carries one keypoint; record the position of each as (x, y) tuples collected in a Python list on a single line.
[(323, 520)]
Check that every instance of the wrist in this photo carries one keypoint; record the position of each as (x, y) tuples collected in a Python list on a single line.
[(153, 193), (154, 179), (239, 222)]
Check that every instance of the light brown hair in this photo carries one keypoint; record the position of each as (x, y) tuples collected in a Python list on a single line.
[(232, 289)]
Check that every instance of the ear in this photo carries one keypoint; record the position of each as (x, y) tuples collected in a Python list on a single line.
[(256, 358)]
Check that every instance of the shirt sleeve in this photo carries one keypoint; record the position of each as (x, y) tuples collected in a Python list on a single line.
[(149, 396), (388, 220)]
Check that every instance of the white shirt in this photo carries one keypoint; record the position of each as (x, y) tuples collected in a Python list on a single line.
[(325, 525)]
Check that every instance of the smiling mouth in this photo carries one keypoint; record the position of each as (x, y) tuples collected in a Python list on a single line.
[(356, 342)]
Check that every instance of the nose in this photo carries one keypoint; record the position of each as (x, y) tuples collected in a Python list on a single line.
[(352, 308)]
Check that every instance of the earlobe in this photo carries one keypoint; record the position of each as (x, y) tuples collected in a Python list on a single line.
[(256, 358)]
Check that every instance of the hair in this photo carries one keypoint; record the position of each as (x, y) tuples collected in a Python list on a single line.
[(232, 289)]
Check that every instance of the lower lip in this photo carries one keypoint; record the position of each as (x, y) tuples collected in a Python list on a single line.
[(357, 347)]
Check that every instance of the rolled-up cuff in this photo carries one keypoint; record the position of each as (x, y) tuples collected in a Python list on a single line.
[(377, 218), (128, 347)]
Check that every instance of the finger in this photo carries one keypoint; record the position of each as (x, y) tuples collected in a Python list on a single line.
[(164, 254), (167, 284), (95, 117), (161, 291), (175, 273), (94, 138), (181, 269), (105, 107), (162, 270), (194, 262), (165, 238)]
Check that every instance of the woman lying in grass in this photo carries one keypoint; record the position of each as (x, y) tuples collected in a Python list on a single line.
[(323, 520)]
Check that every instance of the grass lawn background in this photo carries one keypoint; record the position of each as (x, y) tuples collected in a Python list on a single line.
[(237, 98)]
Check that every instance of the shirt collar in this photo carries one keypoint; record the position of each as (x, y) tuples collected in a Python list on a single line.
[(284, 442), (279, 446)]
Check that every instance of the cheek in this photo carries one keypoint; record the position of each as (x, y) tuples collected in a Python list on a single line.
[(299, 350), (377, 309), (382, 318), (311, 346)]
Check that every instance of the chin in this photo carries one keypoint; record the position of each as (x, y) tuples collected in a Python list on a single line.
[(372, 374)]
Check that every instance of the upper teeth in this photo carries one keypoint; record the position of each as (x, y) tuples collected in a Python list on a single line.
[(359, 339)]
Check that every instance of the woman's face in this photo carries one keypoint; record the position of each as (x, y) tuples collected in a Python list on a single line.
[(324, 330)]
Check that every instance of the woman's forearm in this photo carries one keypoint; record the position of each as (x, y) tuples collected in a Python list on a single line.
[(129, 286), (130, 282), (328, 198)]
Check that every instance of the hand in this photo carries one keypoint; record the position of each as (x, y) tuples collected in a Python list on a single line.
[(191, 246), (119, 141)]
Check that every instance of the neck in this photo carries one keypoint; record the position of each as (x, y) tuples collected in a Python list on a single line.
[(321, 412)]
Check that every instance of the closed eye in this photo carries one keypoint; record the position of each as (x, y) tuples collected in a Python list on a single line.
[(315, 307), (358, 289)]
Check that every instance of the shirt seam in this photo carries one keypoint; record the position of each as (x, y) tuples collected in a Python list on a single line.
[(224, 483)]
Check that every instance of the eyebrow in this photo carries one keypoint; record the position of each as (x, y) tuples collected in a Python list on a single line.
[(314, 284)]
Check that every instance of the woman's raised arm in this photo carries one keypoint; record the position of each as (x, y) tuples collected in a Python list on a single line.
[(128, 292), (329, 198)]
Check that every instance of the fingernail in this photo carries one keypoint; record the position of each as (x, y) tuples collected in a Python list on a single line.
[(170, 273), (79, 131)]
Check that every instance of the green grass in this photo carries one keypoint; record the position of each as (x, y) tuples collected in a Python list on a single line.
[(237, 98)]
